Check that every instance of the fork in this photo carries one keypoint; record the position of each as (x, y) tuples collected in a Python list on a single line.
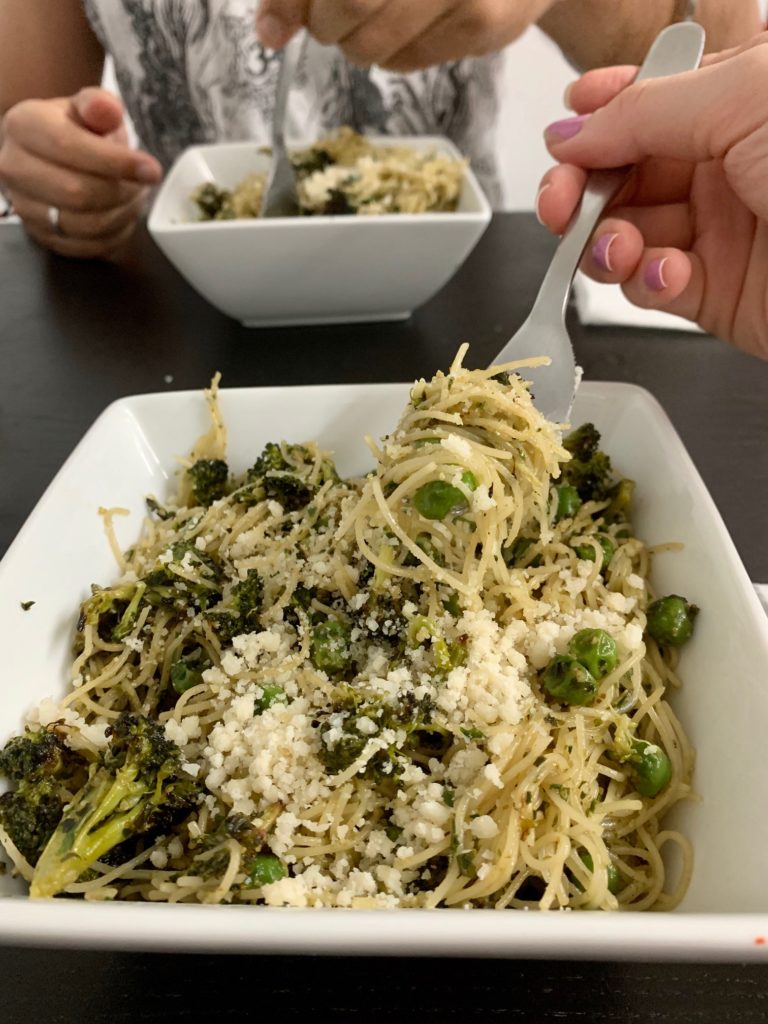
[(676, 49), (281, 198)]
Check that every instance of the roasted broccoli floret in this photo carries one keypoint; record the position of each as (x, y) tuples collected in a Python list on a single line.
[(241, 613), (312, 161), (166, 588), (44, 772), (208, 479), (114, 610), (138, 786), (211, 201), (338, 203), (281, 479), (589, 470)]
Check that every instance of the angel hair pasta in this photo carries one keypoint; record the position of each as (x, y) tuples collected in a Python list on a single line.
[(441, 685), (346, 173)]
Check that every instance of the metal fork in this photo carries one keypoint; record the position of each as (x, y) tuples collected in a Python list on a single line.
[(281, 198), (678, 48)]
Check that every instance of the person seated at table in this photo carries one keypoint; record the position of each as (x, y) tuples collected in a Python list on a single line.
[(689, 234), (193, 71)]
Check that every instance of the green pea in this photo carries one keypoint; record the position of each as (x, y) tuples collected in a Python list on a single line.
[(671, 620), (650, 767), (263, 869), (438, 498), (587, 551), (568, 681), (596, 650), (188, 671), (469, 479), (614, 878), (270, 694), (329, 649), (568, 502)]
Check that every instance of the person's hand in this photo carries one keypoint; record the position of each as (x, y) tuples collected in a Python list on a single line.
[(401, 35), (72, 155), (689, 234)]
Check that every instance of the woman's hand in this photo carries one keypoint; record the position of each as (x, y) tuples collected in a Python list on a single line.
[(401, 35), (72, 155), (689, 234)]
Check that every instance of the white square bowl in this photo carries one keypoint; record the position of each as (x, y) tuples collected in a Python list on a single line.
[(310, 270), (723, 705)]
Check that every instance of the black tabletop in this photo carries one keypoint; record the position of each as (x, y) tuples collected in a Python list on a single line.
[(73, 337)]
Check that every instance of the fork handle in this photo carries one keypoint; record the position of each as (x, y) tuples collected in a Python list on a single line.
[(678, 48)]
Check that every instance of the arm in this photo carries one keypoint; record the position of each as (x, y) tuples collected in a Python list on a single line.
[(47, 49), (65, 162), (594, 33)]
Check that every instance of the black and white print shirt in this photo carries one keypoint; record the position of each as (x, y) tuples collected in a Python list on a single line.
[(192, 71)]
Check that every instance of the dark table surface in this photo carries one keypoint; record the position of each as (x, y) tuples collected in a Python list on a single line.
[(73, 337)]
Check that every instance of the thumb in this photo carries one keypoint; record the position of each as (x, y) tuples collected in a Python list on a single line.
[(97, 110), (696, 116)]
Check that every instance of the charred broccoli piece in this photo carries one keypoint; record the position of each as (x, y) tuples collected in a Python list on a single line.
[(165, 588), (338, 203), (312, 161), (281, 479), (114, 610), (241, 613), (138, 786), (208, 479), (44, 772), (589, 470), (211, 201)]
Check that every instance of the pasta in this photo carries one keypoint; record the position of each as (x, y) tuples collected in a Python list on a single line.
[(433, 686), (345, 173)]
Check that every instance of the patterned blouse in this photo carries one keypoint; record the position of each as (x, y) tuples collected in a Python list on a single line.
[(192, 71)]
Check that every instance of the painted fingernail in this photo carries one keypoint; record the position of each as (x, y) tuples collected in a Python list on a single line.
[(567, 96), (567, 128), (654, 275), (271, 31), (601, 251), (539, 194)]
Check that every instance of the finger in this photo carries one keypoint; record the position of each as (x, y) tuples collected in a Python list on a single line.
[(277, 21), (667, 226), (669, 280), (696, 116), (86, 227), (330, 21), (599, 86), (97, 110), (558, 196), (614, 253), (78, 248), (472, 28), (596, 88), (37, 179), (51, 130), (390, 29)]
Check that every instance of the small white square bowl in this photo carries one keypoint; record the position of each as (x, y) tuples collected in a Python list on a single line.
[(311, 270), (723, 704)]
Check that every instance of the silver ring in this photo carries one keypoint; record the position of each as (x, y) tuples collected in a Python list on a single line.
[(54, 219)]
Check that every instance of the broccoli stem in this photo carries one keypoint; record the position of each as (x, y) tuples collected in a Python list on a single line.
[(88, 829)]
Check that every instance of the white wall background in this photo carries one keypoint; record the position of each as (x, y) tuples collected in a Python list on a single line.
[(535, 77)]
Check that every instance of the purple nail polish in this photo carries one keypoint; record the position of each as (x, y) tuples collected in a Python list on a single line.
[(654, 275), (601, 252), (567, 128)]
